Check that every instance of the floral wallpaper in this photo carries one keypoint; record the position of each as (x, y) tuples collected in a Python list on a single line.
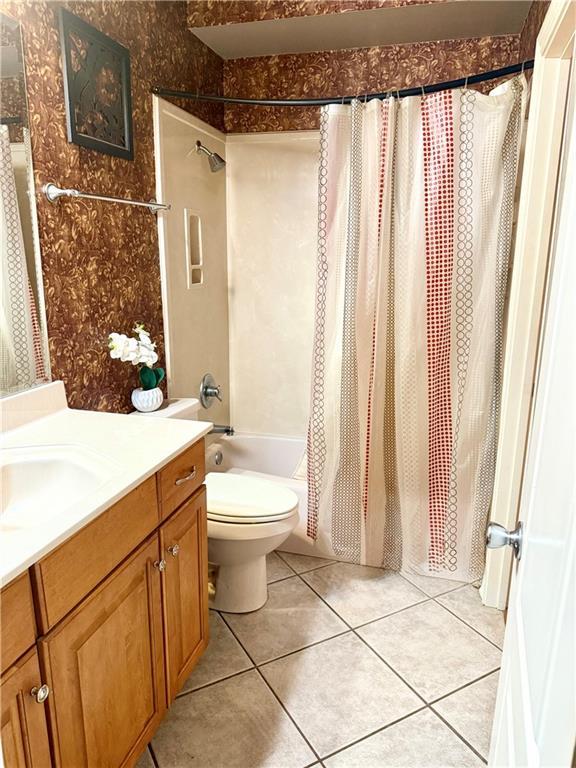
[(212, 13), (100, 260), (346, 72), (531, 28)]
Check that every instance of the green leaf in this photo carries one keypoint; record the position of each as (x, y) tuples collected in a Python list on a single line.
[(147, 378), (159, 373)]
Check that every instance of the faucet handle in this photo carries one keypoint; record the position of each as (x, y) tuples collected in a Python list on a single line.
[(209, 390)]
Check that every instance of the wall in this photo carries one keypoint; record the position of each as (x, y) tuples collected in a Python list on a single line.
[(195, 314), (100, 261), (536, 14), (357, 71), (272, 210)]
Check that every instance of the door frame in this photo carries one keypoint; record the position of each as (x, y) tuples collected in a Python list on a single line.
[(527, 291)]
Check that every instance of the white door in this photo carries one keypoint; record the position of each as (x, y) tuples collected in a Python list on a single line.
[(535, 720)]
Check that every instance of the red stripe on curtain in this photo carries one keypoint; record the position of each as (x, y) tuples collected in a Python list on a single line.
[(438, 143), (381, 181), (36, 337)]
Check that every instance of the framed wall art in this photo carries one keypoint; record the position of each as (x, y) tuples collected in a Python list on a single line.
[(96, 88)]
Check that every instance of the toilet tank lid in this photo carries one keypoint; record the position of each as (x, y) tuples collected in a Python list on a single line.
[(239, 496)]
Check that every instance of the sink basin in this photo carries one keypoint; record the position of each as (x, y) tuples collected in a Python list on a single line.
[(39, 482)]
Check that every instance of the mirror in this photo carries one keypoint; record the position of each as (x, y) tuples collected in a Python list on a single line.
[(23, 336)]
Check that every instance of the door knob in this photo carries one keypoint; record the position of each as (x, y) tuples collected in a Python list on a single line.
[(161, 565), (40, 693), (497, 536), (174, 549)]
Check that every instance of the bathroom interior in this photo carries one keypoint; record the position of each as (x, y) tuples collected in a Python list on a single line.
[(279, 286)]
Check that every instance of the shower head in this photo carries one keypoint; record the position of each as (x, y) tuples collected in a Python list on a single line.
[(215, 161)]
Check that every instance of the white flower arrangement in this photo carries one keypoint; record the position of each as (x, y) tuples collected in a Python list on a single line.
[(139, 350)]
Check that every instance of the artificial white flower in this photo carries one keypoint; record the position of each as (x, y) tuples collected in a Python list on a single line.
[(140, 351)]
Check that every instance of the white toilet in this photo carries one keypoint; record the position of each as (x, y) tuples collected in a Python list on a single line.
[(247, 518)]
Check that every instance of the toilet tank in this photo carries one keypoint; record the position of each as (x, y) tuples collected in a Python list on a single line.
[(175, 408)]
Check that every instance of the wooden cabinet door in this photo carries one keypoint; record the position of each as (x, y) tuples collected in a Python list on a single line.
[(24, 730), (184, 547), (104, 664)]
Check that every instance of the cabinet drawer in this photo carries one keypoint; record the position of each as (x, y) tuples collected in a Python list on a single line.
[(179, 480), (18, 627), (66, 575)]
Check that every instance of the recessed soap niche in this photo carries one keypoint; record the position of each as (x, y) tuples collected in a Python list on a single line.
[(193, 246)]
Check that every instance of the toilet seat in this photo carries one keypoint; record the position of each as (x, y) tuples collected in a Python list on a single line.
[(238, 499)]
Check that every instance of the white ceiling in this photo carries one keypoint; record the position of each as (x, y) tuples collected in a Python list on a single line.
[(361, 29)]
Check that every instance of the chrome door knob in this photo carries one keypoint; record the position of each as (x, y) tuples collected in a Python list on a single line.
[(40, 693), (497, 536), (174, 549)]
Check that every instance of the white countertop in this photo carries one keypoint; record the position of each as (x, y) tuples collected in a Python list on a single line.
[(135, 447)]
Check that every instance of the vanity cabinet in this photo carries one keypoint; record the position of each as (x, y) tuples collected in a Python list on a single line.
[(183, 541), (122, 614), (104, 664), (24, 732)]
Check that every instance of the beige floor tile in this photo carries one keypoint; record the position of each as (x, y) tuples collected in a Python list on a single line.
[(303, 563), (431, 649), (359, 594), (292, 618), (276, 568), (467, 604), (431, 585), (471, 712), (419, 741), (339, 691), (145, 760), (237, 723), (224, 656)]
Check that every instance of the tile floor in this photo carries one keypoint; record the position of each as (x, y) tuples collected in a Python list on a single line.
[(344, 667)]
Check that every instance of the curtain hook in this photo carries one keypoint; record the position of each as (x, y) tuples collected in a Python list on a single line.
[(466, 83), (522, 70), (422, 88)]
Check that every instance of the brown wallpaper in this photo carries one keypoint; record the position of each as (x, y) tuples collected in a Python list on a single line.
[(211, 13), (346, 72), (531, 28), (100, 260)]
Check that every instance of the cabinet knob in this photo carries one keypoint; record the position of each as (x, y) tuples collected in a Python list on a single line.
[(40, 693), (161, 565), (174, 549)]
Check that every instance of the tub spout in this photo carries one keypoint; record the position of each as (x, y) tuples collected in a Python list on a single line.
[(221, 429)]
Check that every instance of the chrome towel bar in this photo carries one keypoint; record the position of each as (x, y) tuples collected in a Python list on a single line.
[(53, 192)]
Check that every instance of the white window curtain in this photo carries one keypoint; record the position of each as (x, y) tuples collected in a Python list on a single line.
[(415, 230), (21, 347)]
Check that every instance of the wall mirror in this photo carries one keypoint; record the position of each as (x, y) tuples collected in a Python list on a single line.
[(23, 335)]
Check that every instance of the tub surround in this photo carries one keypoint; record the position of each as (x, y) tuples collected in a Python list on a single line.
[(126, 451)]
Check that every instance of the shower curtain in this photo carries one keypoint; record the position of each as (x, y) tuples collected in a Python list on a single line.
[(22, 353), (416, 203)]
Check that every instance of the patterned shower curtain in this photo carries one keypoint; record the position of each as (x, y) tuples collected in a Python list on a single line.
[(416, 203), (22, 351)]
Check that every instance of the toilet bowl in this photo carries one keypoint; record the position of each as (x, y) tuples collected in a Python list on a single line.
[(247, 519)]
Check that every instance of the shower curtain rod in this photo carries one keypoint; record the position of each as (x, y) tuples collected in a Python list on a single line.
[(434, 88)]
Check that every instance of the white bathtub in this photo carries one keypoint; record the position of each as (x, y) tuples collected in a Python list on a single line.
[(270, 457)]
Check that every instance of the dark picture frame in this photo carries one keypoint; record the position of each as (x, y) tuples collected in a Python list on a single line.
[(97, 88)]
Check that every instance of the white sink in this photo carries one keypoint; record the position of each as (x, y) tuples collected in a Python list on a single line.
[(39, 482)]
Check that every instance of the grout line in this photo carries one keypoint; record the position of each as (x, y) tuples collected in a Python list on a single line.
[(267, 684), (446, 723), (467, 624), (304, 647), (182, 694), (459, 585), (282, 578), (392, 613), (373, 733), (308, 570), (153, 756), (461, 688)]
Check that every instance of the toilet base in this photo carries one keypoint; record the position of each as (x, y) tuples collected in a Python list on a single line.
[(242, 587)]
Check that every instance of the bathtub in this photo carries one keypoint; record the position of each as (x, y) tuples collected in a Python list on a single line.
[(271, 458)]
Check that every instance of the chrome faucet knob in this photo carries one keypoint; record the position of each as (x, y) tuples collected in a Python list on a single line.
[(209, 391)]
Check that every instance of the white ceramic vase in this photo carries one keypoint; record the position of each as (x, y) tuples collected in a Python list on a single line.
[(147, 400)]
